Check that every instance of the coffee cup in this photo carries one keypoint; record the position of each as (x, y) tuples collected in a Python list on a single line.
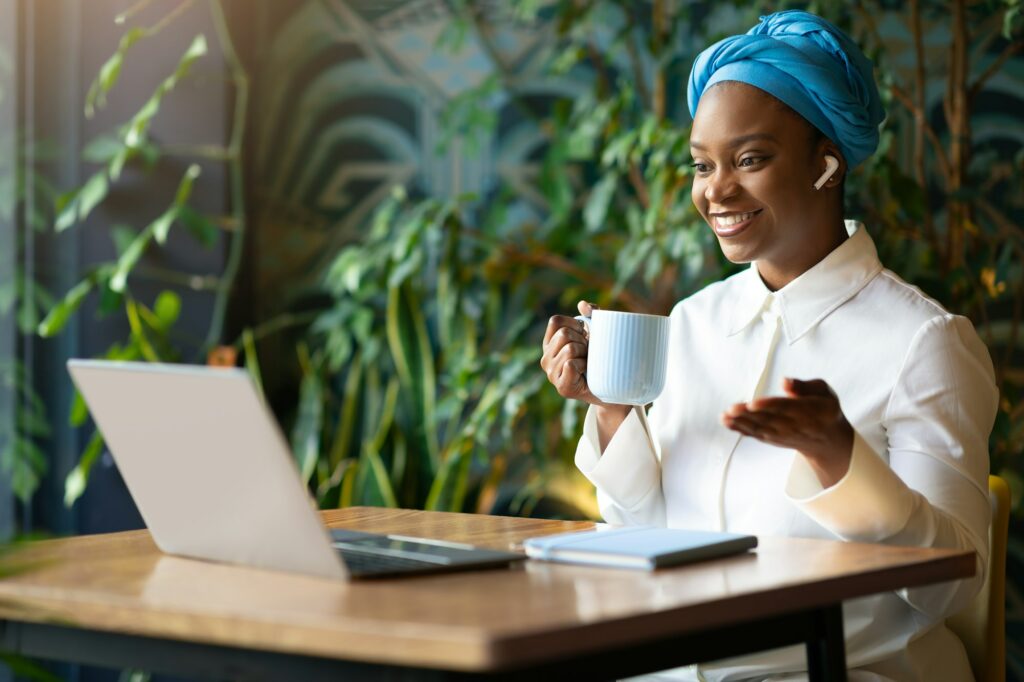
[(627, 356)]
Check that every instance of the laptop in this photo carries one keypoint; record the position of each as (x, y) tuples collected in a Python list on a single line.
[(215, 479)]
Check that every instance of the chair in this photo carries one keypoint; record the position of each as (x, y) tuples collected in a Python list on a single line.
[(982, 625)]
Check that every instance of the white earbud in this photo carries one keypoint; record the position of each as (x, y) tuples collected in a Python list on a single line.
[(831, 164)]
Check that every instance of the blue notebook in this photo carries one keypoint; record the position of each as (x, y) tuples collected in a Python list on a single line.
[(643, 547)]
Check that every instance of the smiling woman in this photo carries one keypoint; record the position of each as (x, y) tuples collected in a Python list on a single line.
[(815, 394), (756, 162)]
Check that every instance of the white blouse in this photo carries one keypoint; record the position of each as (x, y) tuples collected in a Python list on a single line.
[(918, 387)]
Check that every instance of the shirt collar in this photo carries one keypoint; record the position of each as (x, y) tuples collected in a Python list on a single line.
[(809, 298)]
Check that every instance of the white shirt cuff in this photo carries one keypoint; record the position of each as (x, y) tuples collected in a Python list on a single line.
[(869, 504), (628, 471)]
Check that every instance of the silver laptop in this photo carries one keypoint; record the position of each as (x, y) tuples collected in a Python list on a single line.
[(214, 478)]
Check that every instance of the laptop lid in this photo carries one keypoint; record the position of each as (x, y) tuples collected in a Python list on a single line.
[(207, 465)]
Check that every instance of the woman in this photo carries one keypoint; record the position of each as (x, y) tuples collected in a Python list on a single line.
[(815, 394)]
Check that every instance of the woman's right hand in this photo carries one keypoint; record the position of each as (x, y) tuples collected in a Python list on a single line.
[(565, 355), (565, 362)]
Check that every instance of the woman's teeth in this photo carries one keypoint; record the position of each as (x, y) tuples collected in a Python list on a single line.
[(727, 220)]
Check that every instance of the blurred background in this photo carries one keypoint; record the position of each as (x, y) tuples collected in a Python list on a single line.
[(375, 205)]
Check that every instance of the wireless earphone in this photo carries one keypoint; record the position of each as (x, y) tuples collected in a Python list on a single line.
[(831, 164)]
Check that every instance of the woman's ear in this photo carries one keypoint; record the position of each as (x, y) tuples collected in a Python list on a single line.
[(829, 166)]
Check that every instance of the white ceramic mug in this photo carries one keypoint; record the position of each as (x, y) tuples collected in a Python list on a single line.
[(627, 356)]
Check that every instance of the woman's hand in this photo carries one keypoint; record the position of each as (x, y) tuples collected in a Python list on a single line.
[(565, 355), (809, 421), (565, 363)]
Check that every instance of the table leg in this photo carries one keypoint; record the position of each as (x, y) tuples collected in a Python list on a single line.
[(826, 651)]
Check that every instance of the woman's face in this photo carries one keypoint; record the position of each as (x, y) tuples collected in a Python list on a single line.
[(755, 163)]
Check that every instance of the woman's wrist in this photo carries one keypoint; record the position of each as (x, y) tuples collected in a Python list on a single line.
[(833, 464), (609, 419)]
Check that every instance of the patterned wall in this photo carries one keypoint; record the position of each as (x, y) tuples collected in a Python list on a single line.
[(350, 95)]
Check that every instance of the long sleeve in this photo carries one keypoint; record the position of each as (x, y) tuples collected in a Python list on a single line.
[(934, 491), (628, 474)]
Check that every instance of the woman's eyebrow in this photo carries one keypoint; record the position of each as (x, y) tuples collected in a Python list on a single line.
[(737, 141)]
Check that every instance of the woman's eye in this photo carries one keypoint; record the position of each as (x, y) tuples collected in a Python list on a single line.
[(700, 167), (749, 161)]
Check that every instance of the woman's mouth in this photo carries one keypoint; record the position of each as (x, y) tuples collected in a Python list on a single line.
[(732, 224)]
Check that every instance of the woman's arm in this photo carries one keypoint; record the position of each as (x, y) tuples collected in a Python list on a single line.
[(616, 452), (933, 492), (626, 470)]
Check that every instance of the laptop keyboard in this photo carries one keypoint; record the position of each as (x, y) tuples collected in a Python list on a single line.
[(362, 564)]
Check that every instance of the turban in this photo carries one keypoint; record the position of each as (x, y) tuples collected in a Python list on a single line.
[(810, 65)]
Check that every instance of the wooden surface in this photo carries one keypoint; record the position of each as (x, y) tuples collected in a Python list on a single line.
[(483, 620)]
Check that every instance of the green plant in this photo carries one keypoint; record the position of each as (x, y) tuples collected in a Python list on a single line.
[(152, 336), (434, 334)]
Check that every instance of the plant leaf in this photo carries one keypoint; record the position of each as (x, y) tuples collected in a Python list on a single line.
[(308, 424), (201, 227), (131, 309), (110, 72), (167, 308), (185, 186), (374, 469), (411, 351), (74, 484), (129, 258), (160, 227), (102, 149), (597, 203), (342, 444), (76, 207), (59, 314)]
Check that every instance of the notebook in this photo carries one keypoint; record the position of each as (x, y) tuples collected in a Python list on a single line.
[(640, 547), (214, 479)]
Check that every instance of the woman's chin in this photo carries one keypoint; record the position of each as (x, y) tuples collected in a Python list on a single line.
[(736, 253)]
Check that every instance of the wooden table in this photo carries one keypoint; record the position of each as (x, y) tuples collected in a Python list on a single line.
[(115, 600)]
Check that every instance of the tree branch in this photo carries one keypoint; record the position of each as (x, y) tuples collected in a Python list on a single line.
[(636, 179), (276, 324), (588, 277), (158, 26), (210, 152), (235, 174), (919, 114), (1007, 358), (661, 11), (993, 68), (1007, 227), (904, 98), (940, 153)]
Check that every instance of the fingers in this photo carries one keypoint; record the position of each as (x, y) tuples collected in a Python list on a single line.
[(568, 352), (564, 360), (572, 378), (809, 420), (772, 428), (818, 387), (563, 337), (560, 322), (791, 407), (586, 308)]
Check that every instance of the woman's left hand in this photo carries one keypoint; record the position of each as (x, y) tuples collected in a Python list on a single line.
[(809, 420)]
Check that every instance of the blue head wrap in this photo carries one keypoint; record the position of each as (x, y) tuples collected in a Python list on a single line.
[(810, 65)]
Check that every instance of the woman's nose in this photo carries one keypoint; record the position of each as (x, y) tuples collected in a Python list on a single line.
[(720, 186)]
